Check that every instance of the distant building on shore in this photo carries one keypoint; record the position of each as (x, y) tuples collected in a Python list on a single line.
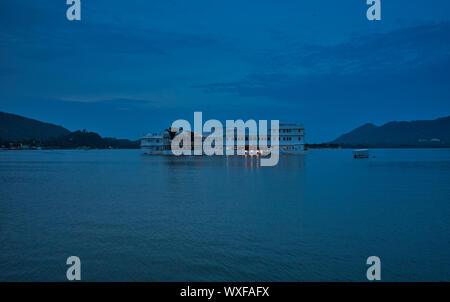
[(291, 140)]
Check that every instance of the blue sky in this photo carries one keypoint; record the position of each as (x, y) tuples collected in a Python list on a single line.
[(130, 67)]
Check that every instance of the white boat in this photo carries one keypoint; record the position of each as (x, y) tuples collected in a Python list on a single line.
[(361, 153)]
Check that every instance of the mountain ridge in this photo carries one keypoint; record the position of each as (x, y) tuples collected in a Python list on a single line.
[(17, 131), (17, 128), (417, 133)]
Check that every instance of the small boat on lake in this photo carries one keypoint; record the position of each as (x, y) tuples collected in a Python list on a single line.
[(361, 153)]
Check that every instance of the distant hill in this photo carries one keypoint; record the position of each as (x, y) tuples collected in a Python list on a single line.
[(85, 139), (17, 128), (427, 133)]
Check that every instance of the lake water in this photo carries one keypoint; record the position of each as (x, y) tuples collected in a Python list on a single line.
[(317, 217)]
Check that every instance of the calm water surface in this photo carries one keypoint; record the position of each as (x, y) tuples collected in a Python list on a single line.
[(154, 218)]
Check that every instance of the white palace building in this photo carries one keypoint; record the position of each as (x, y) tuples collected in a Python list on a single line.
[(291, 141)]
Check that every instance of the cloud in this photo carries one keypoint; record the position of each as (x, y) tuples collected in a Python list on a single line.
[(31, 30), (85, 39), (399, 55), (121, 103), (395, 51)]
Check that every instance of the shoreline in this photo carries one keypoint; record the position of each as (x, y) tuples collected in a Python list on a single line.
[(314, 148)]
